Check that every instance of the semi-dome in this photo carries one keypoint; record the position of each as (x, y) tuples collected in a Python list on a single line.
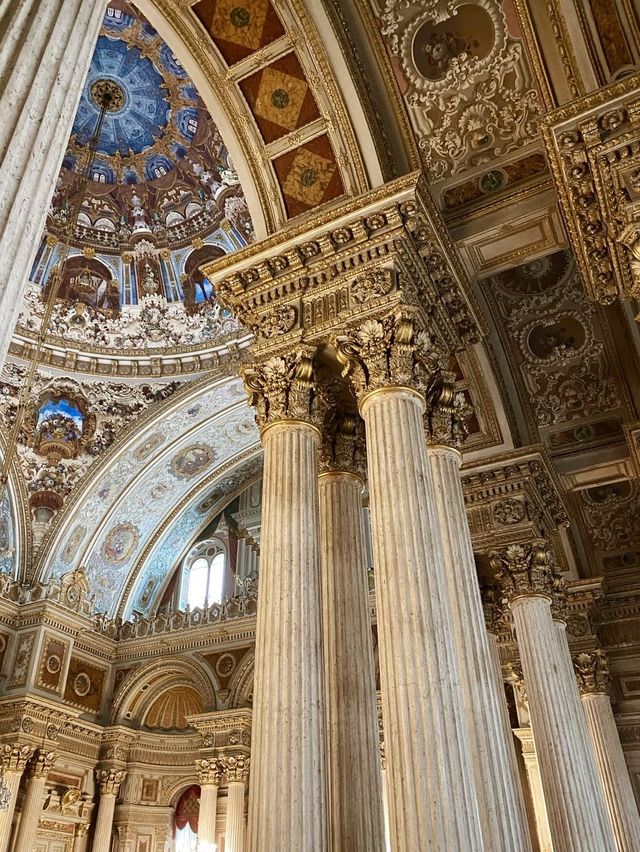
[(161, 199)]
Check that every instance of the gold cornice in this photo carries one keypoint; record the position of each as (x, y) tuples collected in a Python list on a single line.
[(533, 53)]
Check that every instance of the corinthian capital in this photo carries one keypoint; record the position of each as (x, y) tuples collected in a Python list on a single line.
[(42, 763), (446, 420), (235, 767), (209, 770), (389, 352), (14, 758), (110, 780), (343, 442), (592, 672), (283, 387), (525, 569), (495, 617)]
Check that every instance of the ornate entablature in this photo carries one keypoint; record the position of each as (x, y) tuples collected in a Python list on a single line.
[(594, 150), (387, 248), (513, 498)]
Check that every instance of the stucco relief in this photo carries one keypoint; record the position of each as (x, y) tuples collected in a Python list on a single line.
[(467, 82)]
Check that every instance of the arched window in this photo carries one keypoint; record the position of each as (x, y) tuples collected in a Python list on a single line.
[(203, 576)]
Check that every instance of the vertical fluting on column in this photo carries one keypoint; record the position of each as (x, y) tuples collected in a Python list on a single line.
[(236, 772), (45, 52), (109, 781), (33, 801), (532, 769), (429, 771), (288, 792), (502, 812), (592, 671), (573, 794), (209, 775), (355, 792), (14, 759), (80, 837), (432, 802)]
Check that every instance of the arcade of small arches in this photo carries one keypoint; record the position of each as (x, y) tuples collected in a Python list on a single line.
[(320, 529)]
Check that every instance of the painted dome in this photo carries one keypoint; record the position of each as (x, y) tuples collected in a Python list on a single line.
[(161, 199)]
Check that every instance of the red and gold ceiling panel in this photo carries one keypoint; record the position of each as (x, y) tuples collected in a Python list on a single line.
[(308, 176), (279, 90), (280, 98), (239, 29)]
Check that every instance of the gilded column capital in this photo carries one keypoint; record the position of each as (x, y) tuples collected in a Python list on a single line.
[(42, 763), (343, 442), (524, 570), (14, 758), (109, 780), (559, 598), (283, 387), (235, 767), (495, 615), (389, 352), (447, 416), (592, 672), (209, 770)]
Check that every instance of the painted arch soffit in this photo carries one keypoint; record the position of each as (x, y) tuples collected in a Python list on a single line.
[(147, 478), (265, 74)]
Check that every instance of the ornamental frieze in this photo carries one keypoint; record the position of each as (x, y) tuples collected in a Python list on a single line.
[(594, 155), (386, 249)]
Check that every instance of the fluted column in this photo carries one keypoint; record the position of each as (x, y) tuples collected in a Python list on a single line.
[(430, 774), (532, 769), (33, 801), (45, 52), (288, 793), (80, 837), (573, 793), (236, 773), (592, 672), (502, 812), (209, 776), (14, 759), (109, 781), (352, 714)]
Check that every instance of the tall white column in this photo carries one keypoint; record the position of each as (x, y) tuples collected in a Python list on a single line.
[(236, 772), (502, 811), (14, 759), (45, 52), (532, 769), (430, 774), (209, 775), (592, 671), (33, 801), (352, 713), (109, 781), (288, 792), (573, 793)]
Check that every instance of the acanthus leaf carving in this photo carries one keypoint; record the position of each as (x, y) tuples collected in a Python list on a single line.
[(282, 387), (388, 352)]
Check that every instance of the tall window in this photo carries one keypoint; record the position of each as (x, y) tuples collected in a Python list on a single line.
[(204, 575)]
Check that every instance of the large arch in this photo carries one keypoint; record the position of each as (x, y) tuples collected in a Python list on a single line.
[(170, 461)]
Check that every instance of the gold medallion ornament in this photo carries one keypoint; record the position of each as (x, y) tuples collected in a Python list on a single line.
[(107, 93)]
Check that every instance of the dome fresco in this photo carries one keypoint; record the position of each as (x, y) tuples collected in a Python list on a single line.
[(162, 199)]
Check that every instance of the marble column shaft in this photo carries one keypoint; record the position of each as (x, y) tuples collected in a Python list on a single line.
[(593, 681), (45, 52), (14, 760), (288, 790), (33, 802), (352, 715), (234, 835), (573, 794), (109, 781), (432, 802), (502, 811), (532, 769), (207, 817)]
